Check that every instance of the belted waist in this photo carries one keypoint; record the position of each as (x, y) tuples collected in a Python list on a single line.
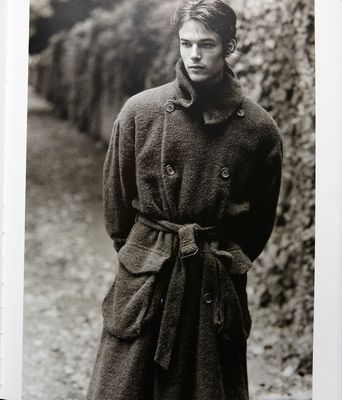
[(187, 233), (188, 248)]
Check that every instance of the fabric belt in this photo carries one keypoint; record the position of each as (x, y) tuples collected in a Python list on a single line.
[(188, 248), (186, 233)]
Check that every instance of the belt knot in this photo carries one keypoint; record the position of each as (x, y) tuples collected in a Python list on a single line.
[(187, 241), (186, 233)]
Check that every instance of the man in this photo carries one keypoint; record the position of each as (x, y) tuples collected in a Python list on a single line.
[(191, 182)]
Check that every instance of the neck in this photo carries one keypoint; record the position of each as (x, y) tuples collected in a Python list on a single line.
[(205, 89)]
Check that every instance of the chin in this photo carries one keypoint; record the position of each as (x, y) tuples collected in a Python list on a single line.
[(197, 78)]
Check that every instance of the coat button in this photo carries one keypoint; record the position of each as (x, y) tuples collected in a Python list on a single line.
[(169, 170), (207, 298), (170, 107), (240, 112), (225, 172)]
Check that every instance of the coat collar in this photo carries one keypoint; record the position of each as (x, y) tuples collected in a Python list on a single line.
[(217, 104)]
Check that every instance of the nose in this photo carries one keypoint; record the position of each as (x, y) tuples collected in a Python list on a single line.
[(195, 53)]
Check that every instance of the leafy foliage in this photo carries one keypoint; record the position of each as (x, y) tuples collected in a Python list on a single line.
[(48, 17)]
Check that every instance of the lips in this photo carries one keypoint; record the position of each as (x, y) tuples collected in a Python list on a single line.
[(195, 67)]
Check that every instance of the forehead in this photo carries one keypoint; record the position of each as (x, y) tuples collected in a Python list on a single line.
[(195, 31)]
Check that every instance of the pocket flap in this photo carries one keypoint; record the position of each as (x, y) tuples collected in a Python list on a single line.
[(138, 260), (235, 258), (241, 263)]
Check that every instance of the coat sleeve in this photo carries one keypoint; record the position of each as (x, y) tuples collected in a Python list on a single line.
[(263, 202), (119, 183)]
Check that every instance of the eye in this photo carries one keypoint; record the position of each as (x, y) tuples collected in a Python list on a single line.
[(207, 45), (185, 44)]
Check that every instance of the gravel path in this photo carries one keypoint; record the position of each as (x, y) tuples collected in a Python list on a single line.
[(70, 264), (69, 258)]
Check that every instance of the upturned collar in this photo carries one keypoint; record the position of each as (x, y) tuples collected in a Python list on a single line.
[(216, 103)]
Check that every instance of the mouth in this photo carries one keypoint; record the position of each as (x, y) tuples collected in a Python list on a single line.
[(195, 67)]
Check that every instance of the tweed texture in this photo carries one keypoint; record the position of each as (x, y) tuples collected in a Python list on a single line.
[(193, 156)]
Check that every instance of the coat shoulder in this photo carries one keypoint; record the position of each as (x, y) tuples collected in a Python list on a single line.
[(262, 124)]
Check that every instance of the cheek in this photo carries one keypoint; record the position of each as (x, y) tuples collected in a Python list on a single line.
[(218, 61), (215, 59), (183, 54)]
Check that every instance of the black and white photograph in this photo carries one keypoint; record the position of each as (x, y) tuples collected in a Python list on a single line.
[(170, 200)]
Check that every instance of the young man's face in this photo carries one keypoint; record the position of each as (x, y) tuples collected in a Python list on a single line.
[(202, 52)]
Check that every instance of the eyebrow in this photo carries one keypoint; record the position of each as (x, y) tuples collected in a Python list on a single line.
[(200, 41)]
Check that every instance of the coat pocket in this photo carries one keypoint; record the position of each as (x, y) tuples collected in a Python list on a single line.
[(241, 264), (234, 317), (134, 297), (239, 282)]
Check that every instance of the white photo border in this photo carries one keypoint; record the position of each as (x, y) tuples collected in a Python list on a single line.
[(14, 33), (327, 376), (327, 367)]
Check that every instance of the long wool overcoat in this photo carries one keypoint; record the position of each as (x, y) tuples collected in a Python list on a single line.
[(191, 183)]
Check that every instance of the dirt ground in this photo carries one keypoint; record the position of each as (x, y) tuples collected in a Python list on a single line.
[(70, 264)]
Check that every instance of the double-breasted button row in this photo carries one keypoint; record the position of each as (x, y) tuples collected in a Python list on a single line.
[(169, 170), (170, 107)]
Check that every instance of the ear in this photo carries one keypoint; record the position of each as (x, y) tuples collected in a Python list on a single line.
[(231, 46)]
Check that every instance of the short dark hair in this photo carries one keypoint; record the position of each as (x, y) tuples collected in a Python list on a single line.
[(215, 15)]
